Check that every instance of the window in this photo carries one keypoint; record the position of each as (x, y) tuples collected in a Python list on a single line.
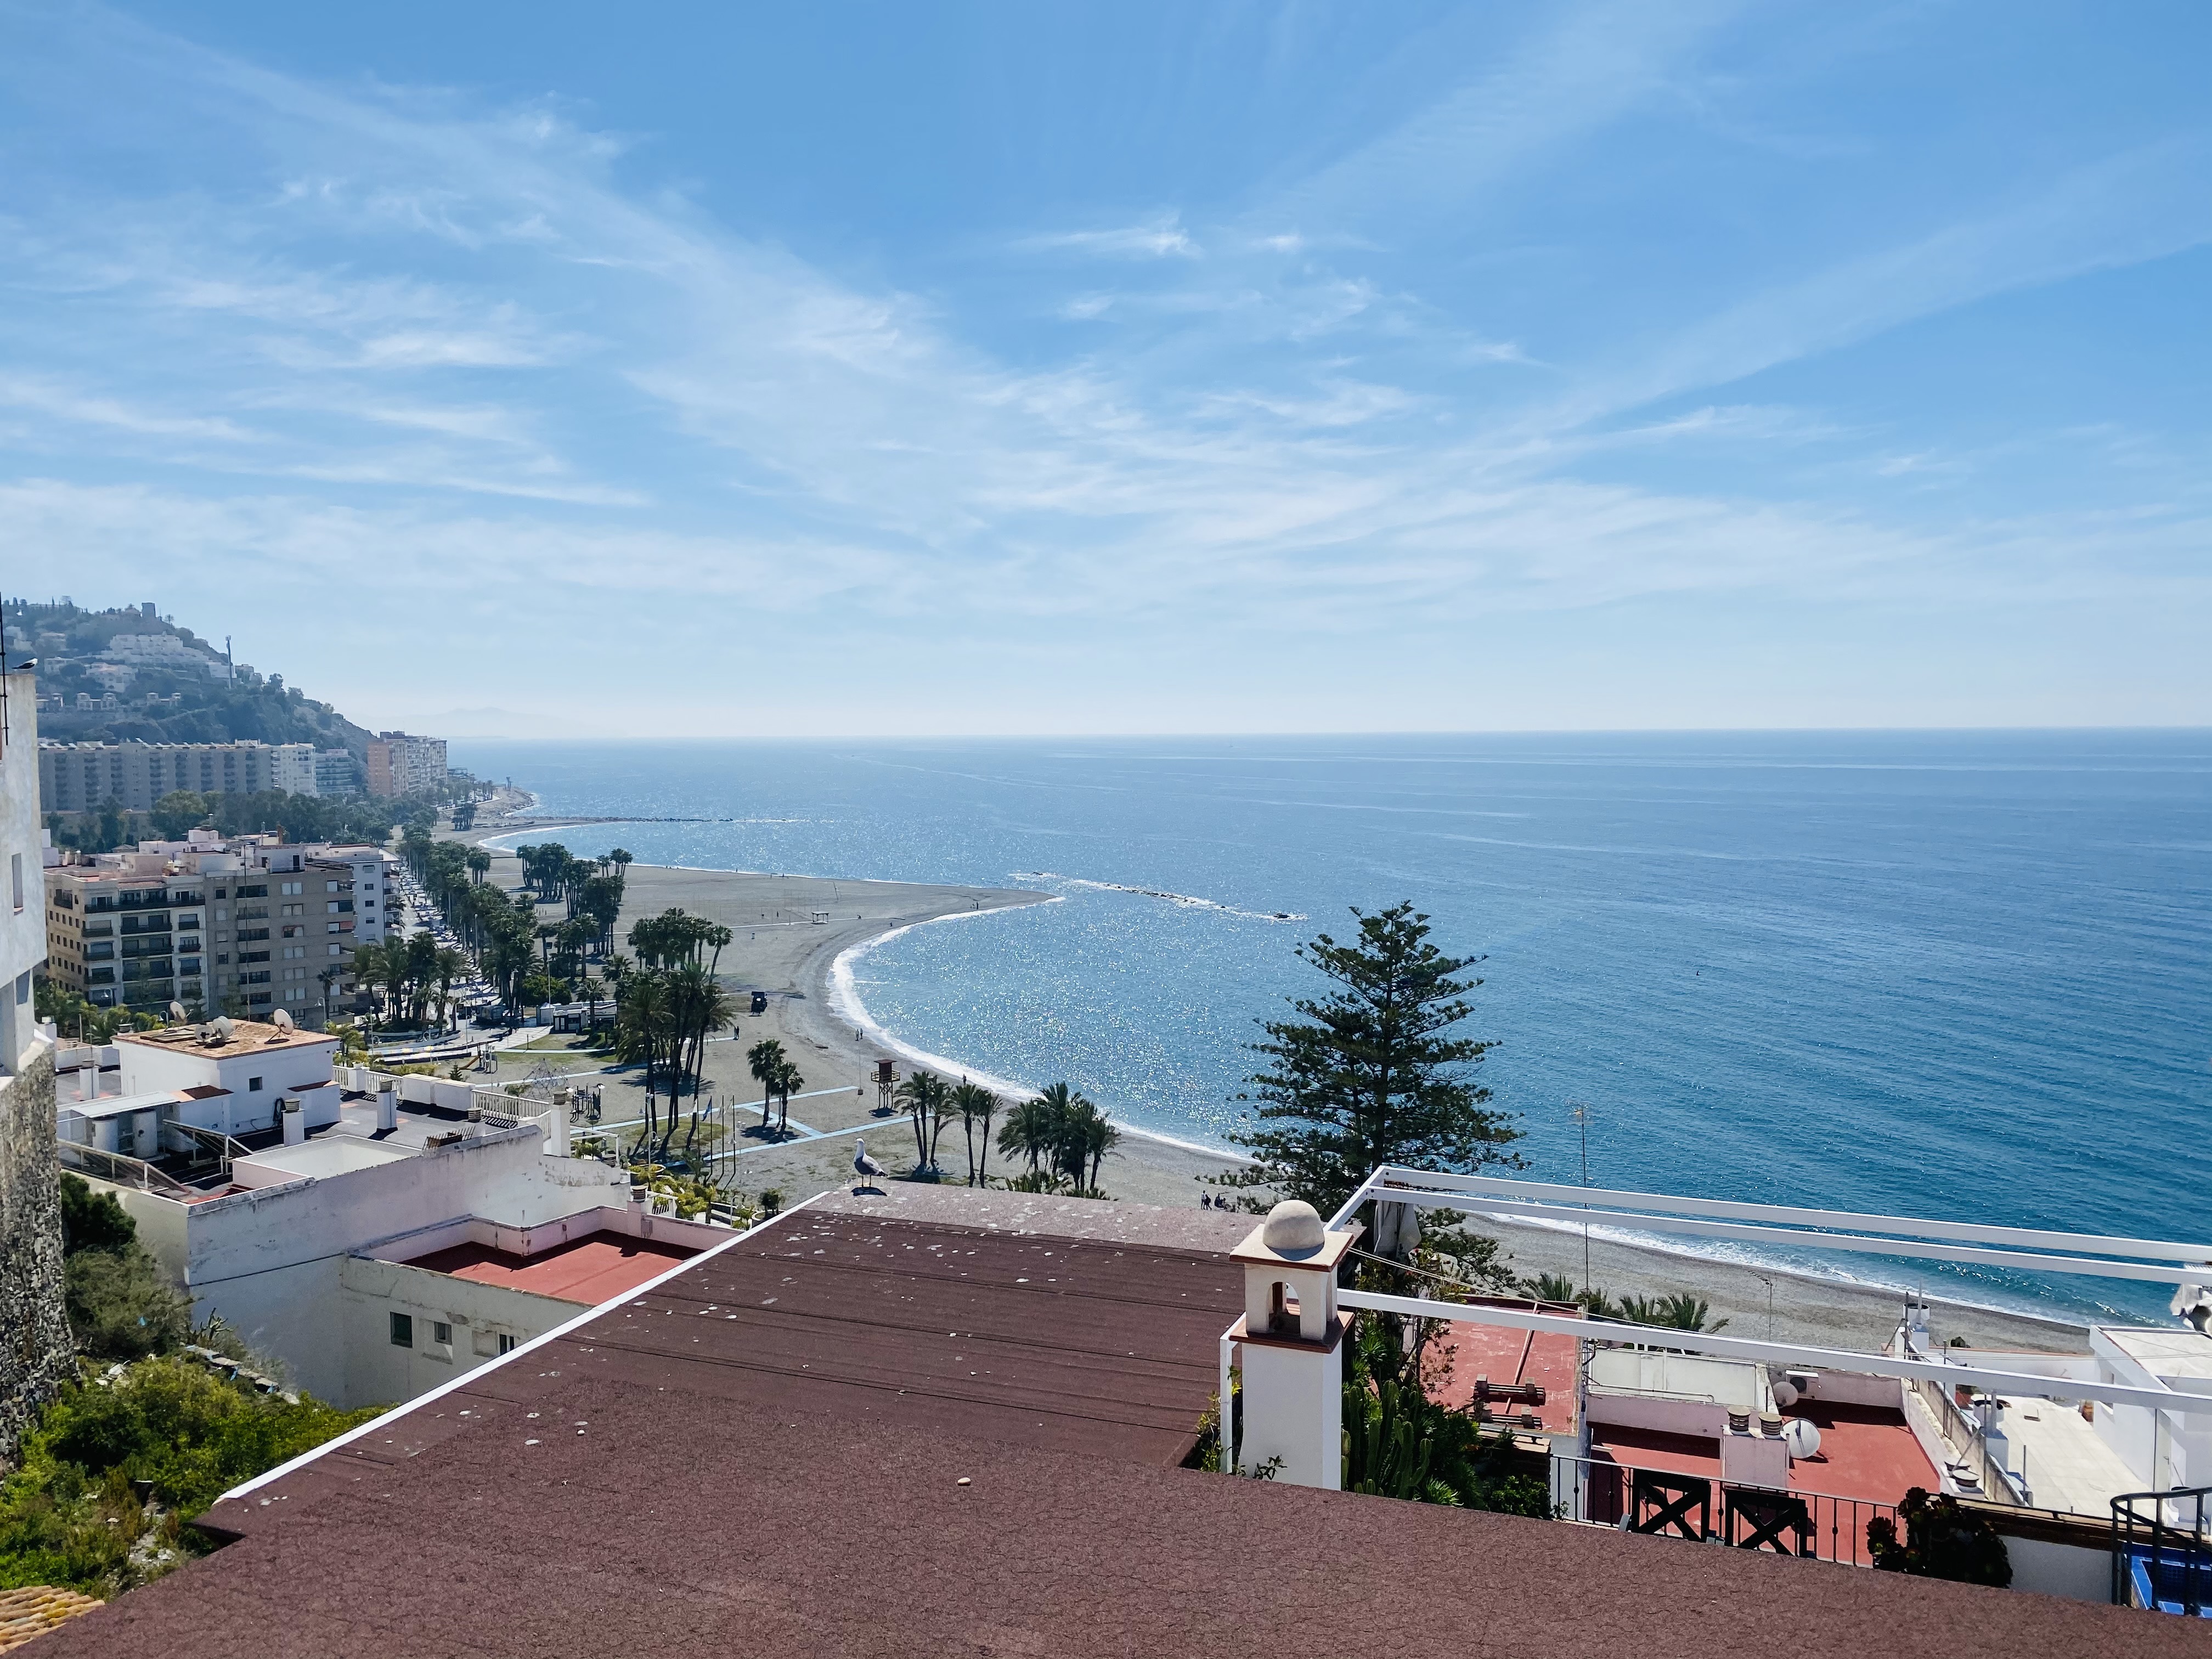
[(252, 1086), (288, 888), (440, 1331), (506, 1344), (403, 1330), (330, 887), (15, 879), (335, 950)]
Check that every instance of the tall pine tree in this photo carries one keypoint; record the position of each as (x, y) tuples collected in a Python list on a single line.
[(1368, 1075)]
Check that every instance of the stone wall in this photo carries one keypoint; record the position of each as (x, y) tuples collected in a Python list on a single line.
[(36, 1354)]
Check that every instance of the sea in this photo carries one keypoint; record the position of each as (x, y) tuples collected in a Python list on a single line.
[(1956, 975)]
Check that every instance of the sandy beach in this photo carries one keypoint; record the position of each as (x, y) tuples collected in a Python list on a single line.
[(780, 948)]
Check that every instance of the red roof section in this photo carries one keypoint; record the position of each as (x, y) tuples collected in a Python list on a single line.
[(1867, 1452), (1459, 1357), (589, 1271)]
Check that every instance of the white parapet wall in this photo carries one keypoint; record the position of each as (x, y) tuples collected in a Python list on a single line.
[(267, 1259)]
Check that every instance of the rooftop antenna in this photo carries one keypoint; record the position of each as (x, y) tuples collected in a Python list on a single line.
[(1580, 1111)]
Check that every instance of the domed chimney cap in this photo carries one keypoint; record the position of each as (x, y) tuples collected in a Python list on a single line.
[(1293, 1228)]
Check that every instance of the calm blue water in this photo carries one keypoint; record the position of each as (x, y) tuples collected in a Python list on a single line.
[(1958, 975)]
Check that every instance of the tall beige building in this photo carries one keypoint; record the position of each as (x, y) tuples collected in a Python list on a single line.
[(401, 765)]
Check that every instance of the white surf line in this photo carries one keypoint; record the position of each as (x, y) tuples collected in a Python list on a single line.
[(1751, 1261), (845, 1002), (1185, 900)]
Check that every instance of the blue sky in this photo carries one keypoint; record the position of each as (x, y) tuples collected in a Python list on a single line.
[(528, 369)]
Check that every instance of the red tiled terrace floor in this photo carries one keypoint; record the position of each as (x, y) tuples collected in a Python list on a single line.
[(1504, 1355), (589, 1271), (1866, 1452)]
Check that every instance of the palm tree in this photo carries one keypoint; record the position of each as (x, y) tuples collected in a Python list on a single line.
[(641, 1018), (789, 1081), (976, 1106), (718, 937), (925, 1094), (766, 1060), (1028, 1132), (1091, 1135), (449, 965), (479, 863)]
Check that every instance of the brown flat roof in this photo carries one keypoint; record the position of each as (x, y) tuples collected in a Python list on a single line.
[(764, 1455)]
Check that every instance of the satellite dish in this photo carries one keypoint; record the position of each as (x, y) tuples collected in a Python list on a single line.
[(223, 1028), (1785, 1396), (1800, 1437), (176, 1013), (280, 1020)]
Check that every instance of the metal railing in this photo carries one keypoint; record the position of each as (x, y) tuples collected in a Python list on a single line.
[(203, 1145), (1816, 1525), (117, 1169), (1995, 1481), (2162, 1551)]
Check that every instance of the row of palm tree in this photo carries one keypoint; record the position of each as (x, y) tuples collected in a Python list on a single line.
[(1679, 1312), (662, 1016), (1060, 1136), (411, 977), (1063, 1138)]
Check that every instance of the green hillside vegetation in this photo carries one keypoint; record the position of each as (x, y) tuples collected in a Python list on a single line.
[(68, 640)]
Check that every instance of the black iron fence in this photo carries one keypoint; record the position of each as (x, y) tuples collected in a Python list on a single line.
[(1667, 1504)]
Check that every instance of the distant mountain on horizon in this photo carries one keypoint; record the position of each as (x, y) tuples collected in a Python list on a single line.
[(136, 654)]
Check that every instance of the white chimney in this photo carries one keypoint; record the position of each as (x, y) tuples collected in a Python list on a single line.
[(1291, 1335), (387, 1103), (295, 1121)]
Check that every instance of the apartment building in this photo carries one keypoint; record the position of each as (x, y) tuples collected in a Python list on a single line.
[(22, 939), (121, 936), (336, 773), (292, 768), (246, 925), (402, 765), (83, 777)]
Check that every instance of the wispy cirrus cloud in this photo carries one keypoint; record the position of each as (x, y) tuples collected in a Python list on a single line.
[(1159, 238), (451, 344)]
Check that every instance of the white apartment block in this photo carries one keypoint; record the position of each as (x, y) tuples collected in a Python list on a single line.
[(292, 768)]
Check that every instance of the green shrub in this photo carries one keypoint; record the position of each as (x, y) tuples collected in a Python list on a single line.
[(120, 1304), (70, 1516), (1943, 1539)]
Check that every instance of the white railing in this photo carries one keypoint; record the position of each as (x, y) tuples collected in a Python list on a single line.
[(2025, 1249)]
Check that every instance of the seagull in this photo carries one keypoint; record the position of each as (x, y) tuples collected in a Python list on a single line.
[(864, 1166)]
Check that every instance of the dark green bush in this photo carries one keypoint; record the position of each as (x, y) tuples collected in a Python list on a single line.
[(1943, 1539)]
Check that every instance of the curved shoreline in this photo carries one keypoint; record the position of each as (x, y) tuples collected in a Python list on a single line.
[(845, 1002)]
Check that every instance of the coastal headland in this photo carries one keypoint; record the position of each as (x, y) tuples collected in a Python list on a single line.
[(788, 933)]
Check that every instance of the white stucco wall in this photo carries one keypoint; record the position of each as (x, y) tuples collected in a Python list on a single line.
[(301, 1063), (269, 1260), (379, 1372), (22, 925)]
